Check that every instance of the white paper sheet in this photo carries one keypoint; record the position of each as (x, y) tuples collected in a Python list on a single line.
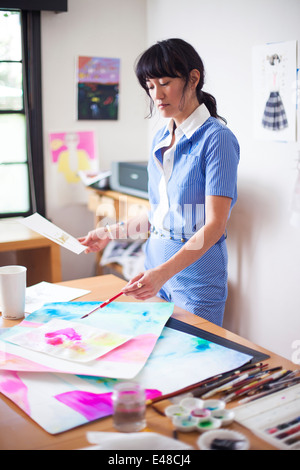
[(42, 226), (45, 292), (134, 441)]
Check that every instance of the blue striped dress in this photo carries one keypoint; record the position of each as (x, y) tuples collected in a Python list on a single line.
[(203, 161)]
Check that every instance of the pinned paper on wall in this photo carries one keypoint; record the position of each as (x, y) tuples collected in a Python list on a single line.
[(69, 340), (274, 86), (72, 152)]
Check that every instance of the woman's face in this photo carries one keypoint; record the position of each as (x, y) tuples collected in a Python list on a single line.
[(171, 99)]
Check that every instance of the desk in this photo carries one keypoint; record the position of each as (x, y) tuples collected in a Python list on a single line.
[(40, 255), (18, 431)]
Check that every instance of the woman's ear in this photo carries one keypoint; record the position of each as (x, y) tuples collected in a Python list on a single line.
[(194, 78)]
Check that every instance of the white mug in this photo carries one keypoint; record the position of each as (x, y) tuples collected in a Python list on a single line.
[(12, 291)]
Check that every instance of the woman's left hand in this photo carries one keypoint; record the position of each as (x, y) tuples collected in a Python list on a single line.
[(145, 285)]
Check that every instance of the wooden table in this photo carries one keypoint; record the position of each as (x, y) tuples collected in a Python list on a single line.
[(18, 431), (40, 255)]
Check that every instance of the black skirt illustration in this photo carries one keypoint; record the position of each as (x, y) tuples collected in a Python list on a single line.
[(274, 117)]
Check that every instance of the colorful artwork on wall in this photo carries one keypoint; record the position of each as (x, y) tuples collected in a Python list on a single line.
[(72, 152), (97, 88)]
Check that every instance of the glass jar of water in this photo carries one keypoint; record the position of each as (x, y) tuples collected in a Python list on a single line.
[(129, 407)]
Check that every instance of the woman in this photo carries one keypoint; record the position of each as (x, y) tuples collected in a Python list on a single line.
[(192, 187)]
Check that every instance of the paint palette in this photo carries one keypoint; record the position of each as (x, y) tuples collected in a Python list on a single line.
[(69, 340), (194, 414), (275, 418)]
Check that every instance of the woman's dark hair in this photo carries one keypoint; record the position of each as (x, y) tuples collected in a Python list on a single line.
[(174, 58)]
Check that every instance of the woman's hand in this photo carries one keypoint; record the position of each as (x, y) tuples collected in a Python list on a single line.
[(145, 285), (96, 240)]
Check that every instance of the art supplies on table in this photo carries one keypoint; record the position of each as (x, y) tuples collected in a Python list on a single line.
[(274, 417), (193, 414), (79, 399)]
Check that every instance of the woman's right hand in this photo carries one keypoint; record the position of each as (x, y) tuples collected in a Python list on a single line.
[(96, 240)]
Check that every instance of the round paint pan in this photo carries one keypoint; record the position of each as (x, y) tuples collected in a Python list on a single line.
[(223, 439), (207, 424), (225, 416), (176, 410), (201, 413), (190, 403), (214, 404), (184, 424)]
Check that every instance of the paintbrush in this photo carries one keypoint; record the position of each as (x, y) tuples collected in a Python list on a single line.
[(102, 305), (200, 387), (189, 388)]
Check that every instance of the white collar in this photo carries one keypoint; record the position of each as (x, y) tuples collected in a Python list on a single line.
[(193, 122)]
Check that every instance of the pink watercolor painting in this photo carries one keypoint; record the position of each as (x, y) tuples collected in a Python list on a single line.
[(14, 388), (72, 152), (94, 405), (140, 323), (68, 340), (15, 362), (137, 349)]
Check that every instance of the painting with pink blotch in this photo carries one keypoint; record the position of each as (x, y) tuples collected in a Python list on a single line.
[(177, 360), (139, 323), (69, 340)]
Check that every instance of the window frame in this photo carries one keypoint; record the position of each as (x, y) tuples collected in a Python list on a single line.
[(32, 109)]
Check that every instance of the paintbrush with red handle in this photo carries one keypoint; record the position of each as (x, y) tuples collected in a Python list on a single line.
[(102, 305)]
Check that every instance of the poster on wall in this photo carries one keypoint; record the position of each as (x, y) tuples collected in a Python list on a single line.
[(98, 81), (71, 152), (274, 78)]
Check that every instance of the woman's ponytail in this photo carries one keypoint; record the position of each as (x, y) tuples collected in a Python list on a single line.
[(211, 104)]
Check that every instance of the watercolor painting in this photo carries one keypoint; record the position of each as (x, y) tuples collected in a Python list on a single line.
[(98, 88), (68, 340), (143, 322), (177, 360), (72, 152)]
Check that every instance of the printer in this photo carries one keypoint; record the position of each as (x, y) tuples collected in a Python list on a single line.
[(130, 178)]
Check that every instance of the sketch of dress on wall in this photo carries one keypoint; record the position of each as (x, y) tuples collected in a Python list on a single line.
[(274, 117)]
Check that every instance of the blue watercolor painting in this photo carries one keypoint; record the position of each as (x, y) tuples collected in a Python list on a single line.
[(143, 322), (163, 360), (177, 360)]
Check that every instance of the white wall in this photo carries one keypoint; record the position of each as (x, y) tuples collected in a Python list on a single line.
[(90, 28), (264, 250)]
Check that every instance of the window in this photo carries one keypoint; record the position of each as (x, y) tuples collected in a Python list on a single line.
[(14, 174), (21, 150)]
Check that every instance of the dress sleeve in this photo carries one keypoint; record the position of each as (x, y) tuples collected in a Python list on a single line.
[(221, 165)]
